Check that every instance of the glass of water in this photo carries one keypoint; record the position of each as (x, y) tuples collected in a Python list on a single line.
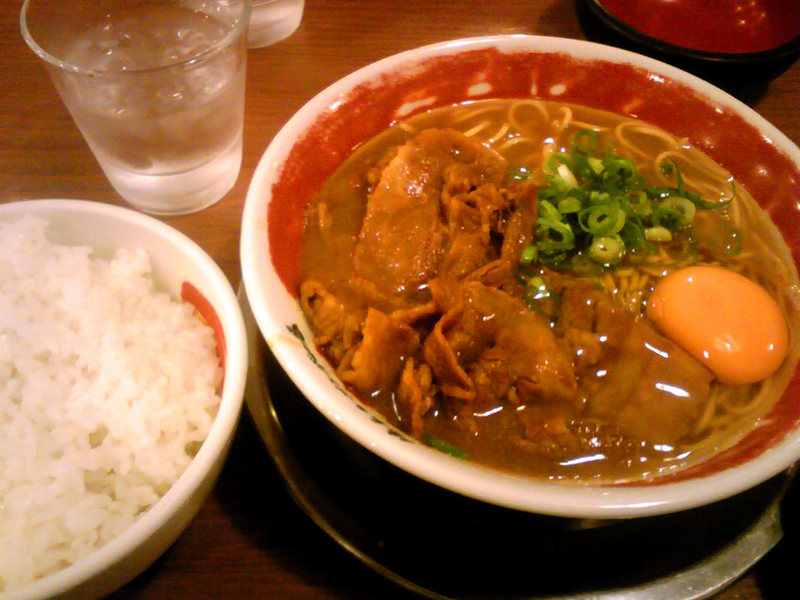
[(156, 88), (273, 21)]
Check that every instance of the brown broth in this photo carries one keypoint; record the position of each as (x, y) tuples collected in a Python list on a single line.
[(525, 133)]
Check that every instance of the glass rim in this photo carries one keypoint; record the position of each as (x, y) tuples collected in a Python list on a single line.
[(238, 29)]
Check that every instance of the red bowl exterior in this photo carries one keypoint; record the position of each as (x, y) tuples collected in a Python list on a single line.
[(733, 27), (732, 43)]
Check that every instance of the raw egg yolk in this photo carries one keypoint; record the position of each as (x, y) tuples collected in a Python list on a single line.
[(726, 321)]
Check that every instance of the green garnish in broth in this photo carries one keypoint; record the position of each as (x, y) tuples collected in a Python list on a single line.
[(445, 447), (597, 205)]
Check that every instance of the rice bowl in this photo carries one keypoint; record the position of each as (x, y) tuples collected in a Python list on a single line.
[(162, 474)]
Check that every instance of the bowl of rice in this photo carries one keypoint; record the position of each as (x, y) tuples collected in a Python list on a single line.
[(122, 366)]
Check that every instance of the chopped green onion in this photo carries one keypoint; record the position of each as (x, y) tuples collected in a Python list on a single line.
[(554, 235), (700, 203), (548, 211), (669, 167), (589, 145), (606, 250), (640, 203), (568, 205), (683, 205), (601, 219), (658, 234), (596, 197), (597, 206), (556, 159), (597, 165), (552, 258), (669, 218), (528, 255), (632, 234), (567, 176), (538, 288), (445, 447)]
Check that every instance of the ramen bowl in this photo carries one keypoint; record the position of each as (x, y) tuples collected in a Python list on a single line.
[(181, 269), (323, 133)]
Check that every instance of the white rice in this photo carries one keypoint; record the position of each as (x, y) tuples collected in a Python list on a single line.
[(99, 413)]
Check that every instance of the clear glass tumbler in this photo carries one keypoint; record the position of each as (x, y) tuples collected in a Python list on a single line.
[(273, 21), (156, 88)]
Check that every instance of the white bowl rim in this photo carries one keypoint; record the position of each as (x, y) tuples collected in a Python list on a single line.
[(519, 493), (221, 430)]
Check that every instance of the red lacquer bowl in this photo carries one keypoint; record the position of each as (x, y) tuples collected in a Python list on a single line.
[(717, 37)]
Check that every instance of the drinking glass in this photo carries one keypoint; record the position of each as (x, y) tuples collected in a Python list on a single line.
[(156, 87), (273, 21)]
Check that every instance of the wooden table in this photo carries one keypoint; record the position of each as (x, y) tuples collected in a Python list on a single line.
[(250, 540)]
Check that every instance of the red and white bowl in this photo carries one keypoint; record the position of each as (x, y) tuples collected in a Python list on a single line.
[(184, 271), (322, 134)]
